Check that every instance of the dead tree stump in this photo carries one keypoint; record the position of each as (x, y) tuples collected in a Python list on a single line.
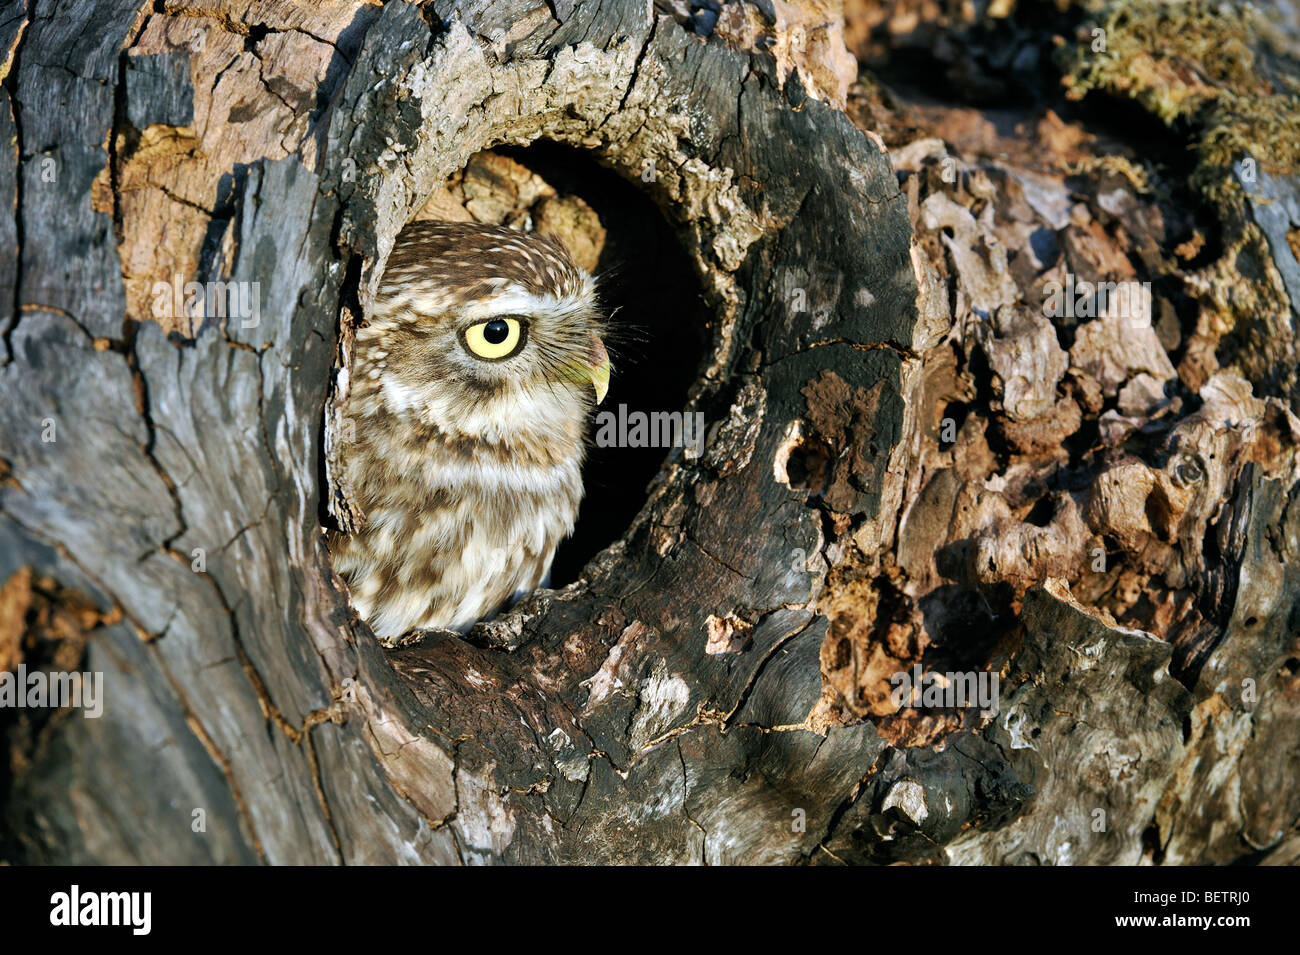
[(697, 694)]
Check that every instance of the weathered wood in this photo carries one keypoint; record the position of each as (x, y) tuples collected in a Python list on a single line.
[(609, 733), (716, 685)]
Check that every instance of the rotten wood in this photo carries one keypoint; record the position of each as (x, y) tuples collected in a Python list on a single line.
[(910, 460)]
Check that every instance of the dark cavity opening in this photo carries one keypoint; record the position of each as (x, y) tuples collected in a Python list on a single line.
[(659, 333)]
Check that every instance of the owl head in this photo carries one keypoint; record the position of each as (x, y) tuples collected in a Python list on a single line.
[(482, 331)]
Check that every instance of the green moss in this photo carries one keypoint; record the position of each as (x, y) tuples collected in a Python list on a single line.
[(1196, 64), (1206, 71)]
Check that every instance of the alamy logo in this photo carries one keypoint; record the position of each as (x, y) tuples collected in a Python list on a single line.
[(1075, 299), (40, 689), (931, 690), (241, 300), (103, 908), (658, 429)]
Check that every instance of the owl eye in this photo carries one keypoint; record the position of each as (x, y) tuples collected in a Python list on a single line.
[(494, 340)]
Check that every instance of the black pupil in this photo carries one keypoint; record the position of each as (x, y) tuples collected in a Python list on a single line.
[(496, 332)]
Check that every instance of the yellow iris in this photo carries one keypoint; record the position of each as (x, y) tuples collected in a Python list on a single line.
[(499, 338)]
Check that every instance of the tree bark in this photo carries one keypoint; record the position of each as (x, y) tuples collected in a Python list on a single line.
[(713, 689)]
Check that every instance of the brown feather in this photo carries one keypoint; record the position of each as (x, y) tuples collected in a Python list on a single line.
[(467, 472)]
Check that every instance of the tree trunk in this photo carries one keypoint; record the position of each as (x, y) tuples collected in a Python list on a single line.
[(715, 687)]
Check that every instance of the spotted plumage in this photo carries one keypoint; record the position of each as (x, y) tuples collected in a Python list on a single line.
[(472, 383)]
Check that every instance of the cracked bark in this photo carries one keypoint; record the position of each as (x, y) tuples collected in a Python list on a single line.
[(591, 724)]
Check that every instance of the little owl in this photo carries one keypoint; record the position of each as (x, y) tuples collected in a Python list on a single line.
[(472, 383)]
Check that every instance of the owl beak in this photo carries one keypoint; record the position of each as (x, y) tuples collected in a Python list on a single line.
[(598, 367)]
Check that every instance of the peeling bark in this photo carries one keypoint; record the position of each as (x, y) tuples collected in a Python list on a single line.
[(909, 462)]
